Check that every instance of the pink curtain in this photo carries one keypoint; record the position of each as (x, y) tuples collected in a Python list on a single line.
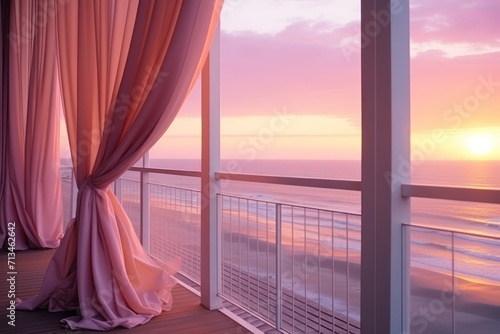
[(126, 68), (4, 109), (32, 193)]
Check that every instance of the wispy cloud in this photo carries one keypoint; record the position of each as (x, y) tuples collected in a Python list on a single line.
[(456, 26), (272, 17)]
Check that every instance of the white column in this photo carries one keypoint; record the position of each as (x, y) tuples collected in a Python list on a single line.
[(74, 194), (118, 189), (210, 164), (279, 292), (386, 162), (145, 205)]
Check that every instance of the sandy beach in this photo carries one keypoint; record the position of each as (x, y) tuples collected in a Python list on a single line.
[(477, 305)]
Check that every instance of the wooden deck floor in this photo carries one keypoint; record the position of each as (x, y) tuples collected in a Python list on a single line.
[(187, 315)]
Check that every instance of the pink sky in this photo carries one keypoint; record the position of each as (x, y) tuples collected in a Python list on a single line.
[(301, 57)]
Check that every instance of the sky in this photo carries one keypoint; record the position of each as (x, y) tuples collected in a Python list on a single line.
[(291, 82)]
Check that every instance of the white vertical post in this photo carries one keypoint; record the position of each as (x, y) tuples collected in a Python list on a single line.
[(279, 292), (406, 262), (210, 164), (145, 227), (118, 189), (453, 313), (385, 162), (74, 194)]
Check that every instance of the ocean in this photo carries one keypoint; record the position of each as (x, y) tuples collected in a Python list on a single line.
[(468, 217), (481, 255), (455, 257)]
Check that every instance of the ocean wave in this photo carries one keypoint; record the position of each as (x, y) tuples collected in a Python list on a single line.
[(494, 222), (478, 239), (481, 255), (421, 242), (429, 244), (455, 221), (471, 272), (478, 253)]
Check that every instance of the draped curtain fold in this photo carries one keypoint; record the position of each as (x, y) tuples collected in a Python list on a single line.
[(126, 68), (30, 143), (4, 109)]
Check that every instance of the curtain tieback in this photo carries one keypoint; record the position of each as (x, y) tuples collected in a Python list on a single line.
[(89, 183)]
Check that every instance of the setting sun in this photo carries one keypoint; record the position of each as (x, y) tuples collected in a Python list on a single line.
[(479, 144)]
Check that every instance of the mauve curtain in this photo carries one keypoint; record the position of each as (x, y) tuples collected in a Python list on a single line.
[(33, 188), (4, 109), (126, 68)]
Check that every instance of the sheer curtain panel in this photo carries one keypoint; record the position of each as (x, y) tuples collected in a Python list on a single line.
[(4, 119), (126, 67), (31, 181)]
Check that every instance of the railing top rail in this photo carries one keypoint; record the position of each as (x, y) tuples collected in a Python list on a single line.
[(292, 181), (124, 178), (178, 172), (437, 229), (480, 195), (175, 187)]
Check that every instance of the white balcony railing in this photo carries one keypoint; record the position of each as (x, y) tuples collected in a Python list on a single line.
[(297, 268), (454, 281)]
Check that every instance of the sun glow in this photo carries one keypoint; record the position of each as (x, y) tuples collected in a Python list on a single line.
[(479, 144)]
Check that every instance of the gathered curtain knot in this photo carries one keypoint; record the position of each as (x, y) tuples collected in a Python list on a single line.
[(89, 182)]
